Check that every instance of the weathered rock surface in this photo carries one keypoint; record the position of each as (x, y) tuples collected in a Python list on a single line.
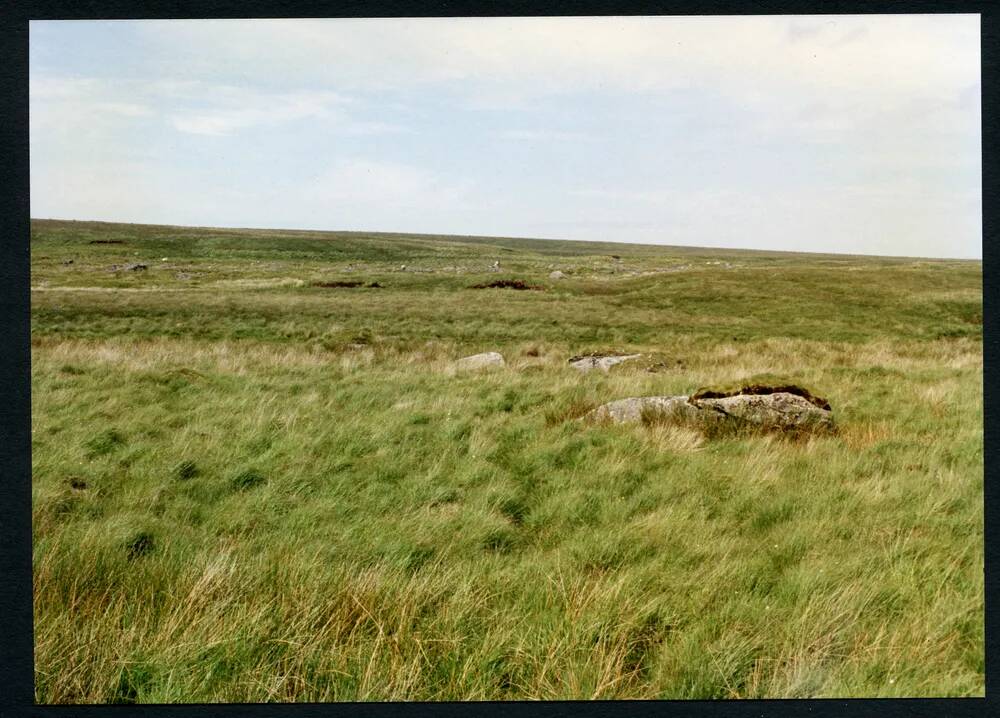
[(480, 361), (557, 275), (602, 362), (777, 410), (780, 410), (633, 408)]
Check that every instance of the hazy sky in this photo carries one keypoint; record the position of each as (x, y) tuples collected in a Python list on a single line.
[(820, 133)]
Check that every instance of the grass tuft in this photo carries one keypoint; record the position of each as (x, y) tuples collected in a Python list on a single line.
[(184, 470), (247, 480)]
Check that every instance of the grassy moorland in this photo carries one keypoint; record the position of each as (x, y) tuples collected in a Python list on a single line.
[(250, 488)]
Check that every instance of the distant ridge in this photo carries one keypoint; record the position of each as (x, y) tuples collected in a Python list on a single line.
[(537, 244)]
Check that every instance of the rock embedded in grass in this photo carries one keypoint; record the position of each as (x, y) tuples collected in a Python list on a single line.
[(785, 408), (599, 361), (760, 388), (557, 275), (779, 410), (634, 408), (480, 361)]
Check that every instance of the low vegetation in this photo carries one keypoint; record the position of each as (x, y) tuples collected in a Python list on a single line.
[(247, 487)]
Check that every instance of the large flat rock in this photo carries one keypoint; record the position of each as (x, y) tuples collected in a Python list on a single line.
[(780, 410)]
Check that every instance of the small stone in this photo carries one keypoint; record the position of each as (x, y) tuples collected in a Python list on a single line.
[(600, 361), (557, 275)]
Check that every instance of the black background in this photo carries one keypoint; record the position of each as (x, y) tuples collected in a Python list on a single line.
[(16, 645)]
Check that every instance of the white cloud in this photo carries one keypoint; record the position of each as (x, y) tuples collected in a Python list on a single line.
[(544, 136), (111, 188), (67, 105), (874, 53), (389, 185), (646, 196), (224, 115), (203, 108), (905, 218)]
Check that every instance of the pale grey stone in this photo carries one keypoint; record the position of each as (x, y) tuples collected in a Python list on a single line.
[(633, 408), (780, 409), (479, 361), (604, 363)]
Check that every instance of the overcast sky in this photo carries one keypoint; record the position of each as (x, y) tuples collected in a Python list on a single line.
[(852, 134)]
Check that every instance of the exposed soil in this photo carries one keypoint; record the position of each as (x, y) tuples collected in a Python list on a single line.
[(507, 284), (346, 285), (761, 389), (139, 546)]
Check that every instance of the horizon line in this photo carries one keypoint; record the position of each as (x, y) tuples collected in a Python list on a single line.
[(498, 236)]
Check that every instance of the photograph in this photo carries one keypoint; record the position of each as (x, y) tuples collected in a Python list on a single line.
[(436, 359)]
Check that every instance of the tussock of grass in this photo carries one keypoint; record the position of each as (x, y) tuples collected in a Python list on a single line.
[(259, 491), (184, 470)]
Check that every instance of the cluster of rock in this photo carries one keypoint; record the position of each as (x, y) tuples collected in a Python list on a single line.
[(133, 267), (581, 363), (784, 407)]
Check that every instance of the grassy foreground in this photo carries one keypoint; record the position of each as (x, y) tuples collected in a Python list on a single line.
[(250, 488)]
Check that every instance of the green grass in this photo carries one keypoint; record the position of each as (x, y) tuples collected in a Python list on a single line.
[(248, 488)]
